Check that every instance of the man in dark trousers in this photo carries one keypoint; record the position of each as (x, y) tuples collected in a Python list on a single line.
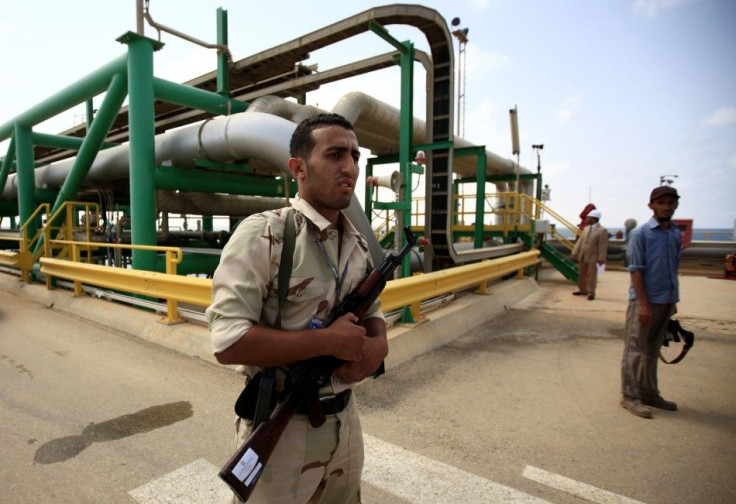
[(653, 255)]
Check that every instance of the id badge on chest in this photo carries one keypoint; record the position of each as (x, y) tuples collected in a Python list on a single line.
[(316, 323)]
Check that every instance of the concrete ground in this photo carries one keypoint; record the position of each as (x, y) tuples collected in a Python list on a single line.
[(535, 391), (509, 397), (706, 300)]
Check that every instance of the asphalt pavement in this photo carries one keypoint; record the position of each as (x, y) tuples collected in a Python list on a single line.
[(520, 407)]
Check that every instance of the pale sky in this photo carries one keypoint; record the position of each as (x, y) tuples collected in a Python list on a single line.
[(620, 92)]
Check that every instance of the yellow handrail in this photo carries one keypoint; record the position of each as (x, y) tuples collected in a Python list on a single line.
[(410, 291), (66, 213), (555, 233), (30, 248), (176, 288), (26, 259), (513, 206), (174, 256)]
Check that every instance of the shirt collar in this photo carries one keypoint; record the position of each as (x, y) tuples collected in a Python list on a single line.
[(653, 223), (318, 220)]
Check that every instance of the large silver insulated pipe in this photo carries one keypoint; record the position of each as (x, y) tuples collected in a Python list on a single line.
[(262, 135), (253, 136), (213, 139), (258, 138), (381, 120), (377, 125), (257, 135)]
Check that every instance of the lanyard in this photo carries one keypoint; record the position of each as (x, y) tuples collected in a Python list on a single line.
[(338, 279)]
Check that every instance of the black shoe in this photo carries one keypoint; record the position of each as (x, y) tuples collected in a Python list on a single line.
[(636, 407), (579, 293), (659, 402), (591, 297)]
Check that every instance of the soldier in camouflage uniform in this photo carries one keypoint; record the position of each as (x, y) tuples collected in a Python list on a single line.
[(308, 465)]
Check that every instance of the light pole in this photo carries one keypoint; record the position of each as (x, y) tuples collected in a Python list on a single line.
[(462, 36), (537, 148)]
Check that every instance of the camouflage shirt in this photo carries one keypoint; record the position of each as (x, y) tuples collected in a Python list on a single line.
[(245, 284)]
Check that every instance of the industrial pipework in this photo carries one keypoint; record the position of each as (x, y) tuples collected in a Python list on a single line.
[(237, 151)]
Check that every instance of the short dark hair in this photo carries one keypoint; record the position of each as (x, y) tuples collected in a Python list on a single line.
[(302, 142)]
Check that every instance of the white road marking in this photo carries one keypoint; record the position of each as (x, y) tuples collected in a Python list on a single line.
[(195, 483), (582, 490), (421, 480), (415, 478)]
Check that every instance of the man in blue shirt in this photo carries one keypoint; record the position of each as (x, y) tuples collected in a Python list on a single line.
[(653, 256)]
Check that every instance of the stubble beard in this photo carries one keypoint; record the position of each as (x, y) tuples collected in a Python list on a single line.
[(329, 200)]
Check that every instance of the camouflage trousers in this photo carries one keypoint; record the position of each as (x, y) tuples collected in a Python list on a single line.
[(310, 466), (641, 350)]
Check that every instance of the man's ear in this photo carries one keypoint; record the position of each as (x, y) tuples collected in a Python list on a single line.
[(296, 167)]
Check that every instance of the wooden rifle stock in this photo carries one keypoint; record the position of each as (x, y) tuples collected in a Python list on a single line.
[(243, 470)]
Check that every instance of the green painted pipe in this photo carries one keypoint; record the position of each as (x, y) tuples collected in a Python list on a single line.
[(480, 202), (95, 137), (180, 179), (63, 142), (7, 162), (223, 74), (406, 118), (25, 179), (91, 143), (142, 148), (90, 109), (45, 195), (91, 85), (181, 94), (208, 223), (8, 209)]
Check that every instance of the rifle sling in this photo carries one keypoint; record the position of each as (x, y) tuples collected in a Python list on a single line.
[(268, 379), (683, 353), (676, 330)]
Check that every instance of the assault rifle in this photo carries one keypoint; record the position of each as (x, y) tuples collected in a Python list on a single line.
[(305, 378)]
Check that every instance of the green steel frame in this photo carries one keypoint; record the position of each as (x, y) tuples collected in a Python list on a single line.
[(128, 75), (131, 75)]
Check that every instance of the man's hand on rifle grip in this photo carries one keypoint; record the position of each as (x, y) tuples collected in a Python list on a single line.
[(349, 337), (375, 349)]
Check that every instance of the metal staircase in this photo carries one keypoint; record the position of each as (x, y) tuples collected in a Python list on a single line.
[(532, 208), (31, 242), (560, 261)]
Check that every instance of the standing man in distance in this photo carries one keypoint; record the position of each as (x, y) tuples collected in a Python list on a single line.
[(590, 252), (653, 255), (308, 465)]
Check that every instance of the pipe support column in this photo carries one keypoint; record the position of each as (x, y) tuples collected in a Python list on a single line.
[(7, 162), (142, 147), (26, 180)]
